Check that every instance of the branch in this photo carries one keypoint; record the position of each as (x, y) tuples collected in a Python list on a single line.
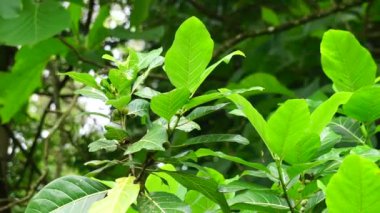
[(201, 8), (283, 27), (283, 186), (91, 5), (79, 55)]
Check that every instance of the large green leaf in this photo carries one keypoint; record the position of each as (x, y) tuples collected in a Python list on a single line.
[(188, 57), (287, 125), (10, 8), (162, 202), (214, 138), (37, 21), (119, 198), (364, 104), (348, 64), (355, 187), (207, 187), (167, 104), (26, 73), (67, 194), (323, 114), (153, 140)]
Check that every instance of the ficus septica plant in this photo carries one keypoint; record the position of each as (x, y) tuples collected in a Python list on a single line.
[(322, 152)]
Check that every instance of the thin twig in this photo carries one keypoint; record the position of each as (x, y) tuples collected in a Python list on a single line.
[(30, 194), (79, 55), (87, 24), (283, 27)]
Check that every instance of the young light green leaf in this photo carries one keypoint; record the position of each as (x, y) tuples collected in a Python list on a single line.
[(84, 78), (226, 59), (364, 104), (355, 187), (323, 114), (119, 103), (207, 187), (188, 57), (67, 194), (287, 132), (348, 64), (119, 198), (146, 92), (215, 138), (108, 145), (167, 104), (153, 140), (162, 202)]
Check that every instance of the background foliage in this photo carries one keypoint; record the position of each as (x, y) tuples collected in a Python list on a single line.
[(47, 126)]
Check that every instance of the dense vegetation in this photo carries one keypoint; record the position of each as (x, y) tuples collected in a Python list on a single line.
[(189, 106)]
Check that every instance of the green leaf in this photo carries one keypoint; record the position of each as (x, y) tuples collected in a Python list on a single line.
[(226, 59), (147, 59), (162, 202), (364, 104), (207, 187), (215, 138), (10, 8), (115, 133), (119, 198), (349, 129), (323, 114), (149, 34), (256, 200), (265, 80), (204, 110), (287, 130), (355, 187), (348, 64), (92, 93), (108, 145), (138, 107), (167, 104), (84, 78), (269, 16), (67, 194), (211, 96), (256, 119), (97, 31), (188, 57), (162, 182), (140, 11), (153, 140), (119, 103), (208, 152), (27, 70), (146, 92), (45, 19)]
